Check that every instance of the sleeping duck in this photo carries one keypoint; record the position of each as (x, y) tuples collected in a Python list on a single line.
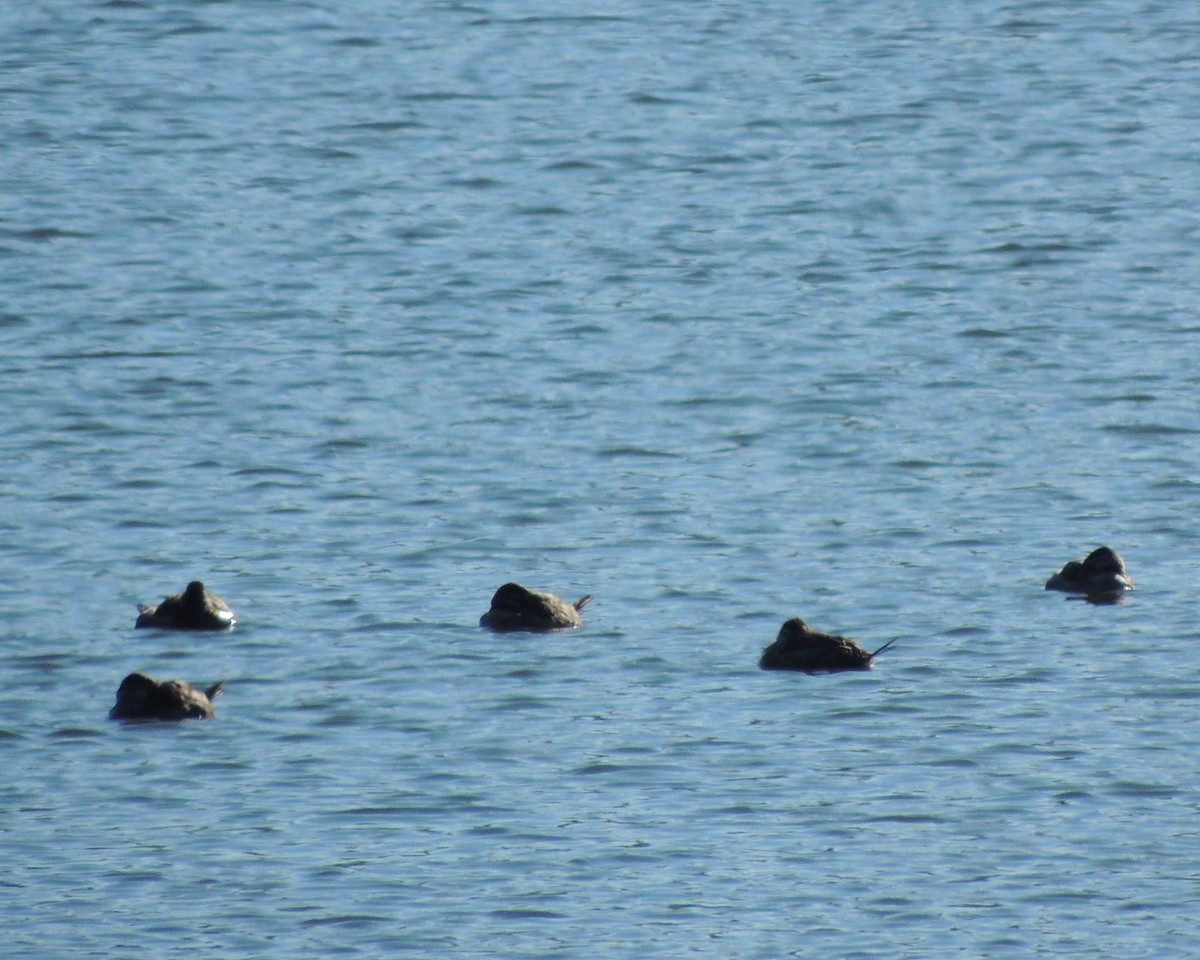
[(1100, 574), (142, 697), (193, 609), (515, 607), (800, 647)]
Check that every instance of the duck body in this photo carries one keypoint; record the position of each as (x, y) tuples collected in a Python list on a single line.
[(142, 698), (192, 609), (515, 607), (800, 647), (1101, 573)]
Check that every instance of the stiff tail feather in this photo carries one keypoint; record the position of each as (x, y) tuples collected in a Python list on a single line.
[(884, 647)]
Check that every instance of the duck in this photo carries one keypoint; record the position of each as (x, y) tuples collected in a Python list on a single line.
[(141, 697), (1100, 574), (800, 647), (516, 607), (192, 609)]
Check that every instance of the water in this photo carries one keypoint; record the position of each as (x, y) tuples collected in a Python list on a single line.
[(722, 313)]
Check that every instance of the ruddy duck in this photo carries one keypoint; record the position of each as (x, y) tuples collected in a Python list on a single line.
[(142, 697), (515, 607), (800, 647), (1100, 575), (193, 609)]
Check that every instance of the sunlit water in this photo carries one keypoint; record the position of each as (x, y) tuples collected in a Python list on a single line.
[(723, 313)]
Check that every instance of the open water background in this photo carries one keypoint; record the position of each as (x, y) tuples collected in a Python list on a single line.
[(873, 313)]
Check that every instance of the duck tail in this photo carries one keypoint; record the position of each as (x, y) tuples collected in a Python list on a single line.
[(215, 690), (582, 602), (884, 647)]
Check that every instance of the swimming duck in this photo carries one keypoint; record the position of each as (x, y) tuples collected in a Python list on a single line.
[(193, 609), (515, 607), (142, 697), (1100, 574), (800, 647)]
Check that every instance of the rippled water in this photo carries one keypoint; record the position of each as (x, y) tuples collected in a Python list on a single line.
[(723, 313)]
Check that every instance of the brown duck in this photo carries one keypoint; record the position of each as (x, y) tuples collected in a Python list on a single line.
[(193, 609), (142, 697), (800, 647), (1101, 573), (515, 607)]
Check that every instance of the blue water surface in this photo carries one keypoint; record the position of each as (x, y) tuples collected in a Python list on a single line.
[(874, 314)]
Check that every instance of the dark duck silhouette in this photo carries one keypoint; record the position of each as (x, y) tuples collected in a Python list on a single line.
[(515, 607), (800, 647), (193, 609), (1100, 575), (142, 697)]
